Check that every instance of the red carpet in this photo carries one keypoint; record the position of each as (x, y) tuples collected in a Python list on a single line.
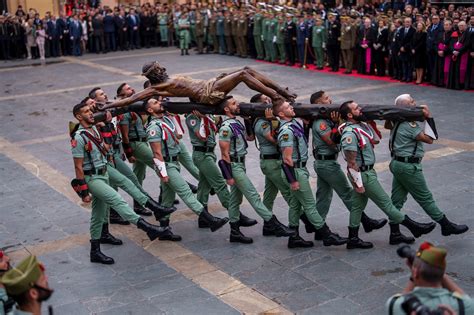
[(311, 67)]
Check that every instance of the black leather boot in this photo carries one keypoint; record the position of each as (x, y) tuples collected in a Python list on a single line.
[(246, 221), (449, 228), (187, 53), (275, 227), (236, 236), (370, 224), (107, 238), (153, 231), (97, 256), (212, 192), (171, 236), (140, 210), (213, 222), (158, 210), (115, 218), (193, 188), (202, 224), (416, 228), (297, 241), (396, 237), (354, 240), (330, 238), (182, 52), (307, 225)]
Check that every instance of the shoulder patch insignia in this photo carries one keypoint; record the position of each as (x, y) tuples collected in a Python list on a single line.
[(73, 143), (286, 137), (349, 140), (265, 125), (193, 122), (323, 126), (152, 133), (225, 133), (413, 124)]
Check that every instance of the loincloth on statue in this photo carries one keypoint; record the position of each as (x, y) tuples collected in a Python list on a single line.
[(209, 95)]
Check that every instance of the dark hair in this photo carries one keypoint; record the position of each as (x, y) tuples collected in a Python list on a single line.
[(256, 98), (344, 109), (316, 96), (119, 89), (428, 272), (92, 92), (225, 101), (77, 108), (85, 99)]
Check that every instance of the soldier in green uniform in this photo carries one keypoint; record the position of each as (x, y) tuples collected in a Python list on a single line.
[(257, 34), (162, 18), (234, 32), (318, 41), (92, 175), (294, 149), (228, 33), (348, 39), (220, 33), (326, 147), (358, 140), (432, 287), (28, 285), (212, 34), (271, 37), (265, 30), (242, 34), (184, 35), (233, 145), (165, 146), (407, 151), (200, 32), (280, 39)]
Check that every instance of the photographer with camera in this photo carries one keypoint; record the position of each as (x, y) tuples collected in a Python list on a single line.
[(430, 291)]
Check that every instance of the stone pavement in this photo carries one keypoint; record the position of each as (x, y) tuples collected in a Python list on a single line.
[(205, 274)]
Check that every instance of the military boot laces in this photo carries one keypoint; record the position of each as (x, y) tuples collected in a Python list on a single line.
[(370, 224), (236, 236), (246, 221), (107, 238), (330, 238), (354, 240), (158, 210), (202, 223), (153, 231), (416, 228), (297, 241), (396, 237), (140, 210), (213, 222), (97, 256), (278, 228), (449, 228), (171, 236)]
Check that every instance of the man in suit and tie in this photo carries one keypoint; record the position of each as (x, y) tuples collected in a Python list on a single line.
[(406, 35), (431, 48), (109, 31), (53, 34), (122, 29), (75, 33), (133, 27)]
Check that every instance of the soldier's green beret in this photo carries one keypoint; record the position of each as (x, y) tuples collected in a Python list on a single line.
[(432, 255), (22, 277)]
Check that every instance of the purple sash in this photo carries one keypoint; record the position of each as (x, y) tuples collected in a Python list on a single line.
[(463, 67), (447, 64), (368, 57)]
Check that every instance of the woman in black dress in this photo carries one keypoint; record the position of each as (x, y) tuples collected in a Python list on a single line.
[(418, 50), (380, 48)]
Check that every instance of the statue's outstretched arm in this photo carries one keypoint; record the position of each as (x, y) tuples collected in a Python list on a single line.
[(140, 96)]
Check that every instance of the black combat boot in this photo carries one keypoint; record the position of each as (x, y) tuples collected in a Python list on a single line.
[(213, 222), (140, 210), (193, 188), (330, 238), (297, 240), (246, 221), (370, 224), (236, 236), (171, 236), (115, 218), (107, 238), (396, 237), (187, 53), (153, 231), (275, 227), (158, 210), (416, 228), (354, 240), (449, 228), (97, 256), (202, 224), (182, 52), (307, 225)]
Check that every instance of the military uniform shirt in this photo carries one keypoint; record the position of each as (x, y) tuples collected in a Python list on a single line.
[(81, 144), (155, 129), (320, 128), (263, 128), (432, 297), (291, 133), (135, 126), (233, 131), (194, 124), (349, 142), (405, 140)]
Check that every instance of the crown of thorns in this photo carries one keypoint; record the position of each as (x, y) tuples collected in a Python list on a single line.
[(151, 68)]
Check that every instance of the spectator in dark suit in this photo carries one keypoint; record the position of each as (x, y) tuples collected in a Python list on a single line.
[(75, 32), (432, 35), (98, 33), (4, 39), (63, 25), (146, 27), (133, 29), (406, 36), (122, 29), (109, 31), (53, 33)]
